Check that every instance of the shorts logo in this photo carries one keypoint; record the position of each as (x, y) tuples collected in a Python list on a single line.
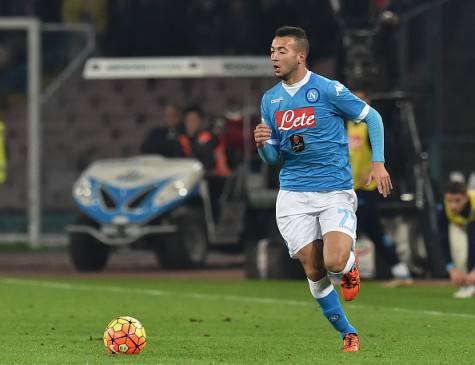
[(333, 318), (312, 95), (295, 119)]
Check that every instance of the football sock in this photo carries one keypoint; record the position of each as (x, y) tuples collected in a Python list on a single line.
[(326, 296), (333, 311), (320, 288)]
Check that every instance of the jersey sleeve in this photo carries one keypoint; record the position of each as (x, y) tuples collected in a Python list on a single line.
[(266, 119), (347, 104)]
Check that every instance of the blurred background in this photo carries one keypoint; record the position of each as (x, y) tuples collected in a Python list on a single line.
[(412, 57)]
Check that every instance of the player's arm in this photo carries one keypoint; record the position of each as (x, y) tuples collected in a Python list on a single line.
[(267, 147), (353, 108), (376, 136)]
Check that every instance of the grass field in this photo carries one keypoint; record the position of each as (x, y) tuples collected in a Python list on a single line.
[(61, 321)]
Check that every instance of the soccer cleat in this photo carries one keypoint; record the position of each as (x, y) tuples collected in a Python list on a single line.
[(351, 343), (350, 282), (465, 292)]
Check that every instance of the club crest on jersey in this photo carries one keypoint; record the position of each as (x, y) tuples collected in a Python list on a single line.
[(295, 119), (312, 95)]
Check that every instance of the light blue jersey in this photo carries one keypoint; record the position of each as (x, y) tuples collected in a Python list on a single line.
[(307, 123)]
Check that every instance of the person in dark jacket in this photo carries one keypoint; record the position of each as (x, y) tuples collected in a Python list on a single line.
[(164, 140)]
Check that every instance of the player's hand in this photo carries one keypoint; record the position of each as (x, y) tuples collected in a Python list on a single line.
[(471, 277), (456, 276), (379, 174), (261, 134)]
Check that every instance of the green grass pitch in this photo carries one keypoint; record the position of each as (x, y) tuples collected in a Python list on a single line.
[(61, 321)]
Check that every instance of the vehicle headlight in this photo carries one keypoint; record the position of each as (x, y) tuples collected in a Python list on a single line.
[(83, 192), (176, 189)]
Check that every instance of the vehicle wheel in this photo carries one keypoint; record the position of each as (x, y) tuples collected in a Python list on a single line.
[(87, 253), (271, 261), (187, 248)]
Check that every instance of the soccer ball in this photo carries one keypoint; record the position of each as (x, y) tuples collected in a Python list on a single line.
[(125, 335)]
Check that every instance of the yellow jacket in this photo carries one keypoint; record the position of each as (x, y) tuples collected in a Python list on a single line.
[(360, 155), (458, 219)]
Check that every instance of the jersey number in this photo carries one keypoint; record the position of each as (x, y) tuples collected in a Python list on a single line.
[(348, 220)]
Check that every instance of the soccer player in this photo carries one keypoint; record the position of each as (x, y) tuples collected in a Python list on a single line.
[(303, 123), (367, 214), (459, 208)]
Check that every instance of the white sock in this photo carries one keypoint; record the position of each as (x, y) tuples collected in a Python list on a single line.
[(320, 288), (401, 271)]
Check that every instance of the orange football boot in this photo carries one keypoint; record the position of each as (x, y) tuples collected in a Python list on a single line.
[(350, 282), (351, 343)]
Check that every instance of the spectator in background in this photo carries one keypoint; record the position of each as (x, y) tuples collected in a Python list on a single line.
[(202, 144), (232, 134), (458, 208), (367, 213), (164, 140)]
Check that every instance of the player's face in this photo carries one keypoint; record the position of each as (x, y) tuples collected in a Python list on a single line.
[(456, 202), (286, 57)]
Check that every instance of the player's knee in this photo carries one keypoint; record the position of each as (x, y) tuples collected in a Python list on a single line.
[(336, 263)]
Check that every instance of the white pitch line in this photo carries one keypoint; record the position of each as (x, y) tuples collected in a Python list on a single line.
[(415, 311), (237, 298)]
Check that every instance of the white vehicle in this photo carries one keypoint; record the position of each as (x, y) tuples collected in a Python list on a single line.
[(148, 201)]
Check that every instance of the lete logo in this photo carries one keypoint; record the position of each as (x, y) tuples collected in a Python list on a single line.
[(295, 119)]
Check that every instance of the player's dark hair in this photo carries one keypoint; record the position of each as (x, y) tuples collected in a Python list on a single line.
[(455, 187), (295, 32)]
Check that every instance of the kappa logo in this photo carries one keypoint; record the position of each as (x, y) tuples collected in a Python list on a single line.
[(279, 99), (295, 119), (339, 88)]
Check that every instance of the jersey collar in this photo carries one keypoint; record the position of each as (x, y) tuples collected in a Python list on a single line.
[(292, 89)]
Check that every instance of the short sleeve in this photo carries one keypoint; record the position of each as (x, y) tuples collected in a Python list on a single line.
[(265, 118), (347, 104)]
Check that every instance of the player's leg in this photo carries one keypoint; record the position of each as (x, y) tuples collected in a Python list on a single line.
[(340, 260), (311, 258), (338, 224), (471, 247), (471, 259), (321, 288), (300, 229)]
